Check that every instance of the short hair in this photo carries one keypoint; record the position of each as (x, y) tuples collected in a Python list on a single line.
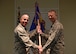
[(24, 14), (52, 11)]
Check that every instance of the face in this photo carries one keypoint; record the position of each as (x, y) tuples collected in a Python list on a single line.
[(52, 15), (24, 20)]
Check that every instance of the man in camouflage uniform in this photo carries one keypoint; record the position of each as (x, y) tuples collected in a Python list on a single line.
[(55, 42), (22, 37)]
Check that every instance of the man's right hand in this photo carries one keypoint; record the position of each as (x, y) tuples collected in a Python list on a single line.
[(39, 29), (40, 49)]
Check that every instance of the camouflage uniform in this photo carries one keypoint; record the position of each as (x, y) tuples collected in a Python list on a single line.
[(55, 42), (22, 40)]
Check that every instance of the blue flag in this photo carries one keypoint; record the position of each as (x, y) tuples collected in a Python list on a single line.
[(37, 17)]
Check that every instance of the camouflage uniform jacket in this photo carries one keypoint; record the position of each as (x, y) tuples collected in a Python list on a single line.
[(22, 40), (55, 38)]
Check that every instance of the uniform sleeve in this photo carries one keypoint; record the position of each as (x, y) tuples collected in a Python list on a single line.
[(33, 33), (45, 35), (25, 38), (52, 34)]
